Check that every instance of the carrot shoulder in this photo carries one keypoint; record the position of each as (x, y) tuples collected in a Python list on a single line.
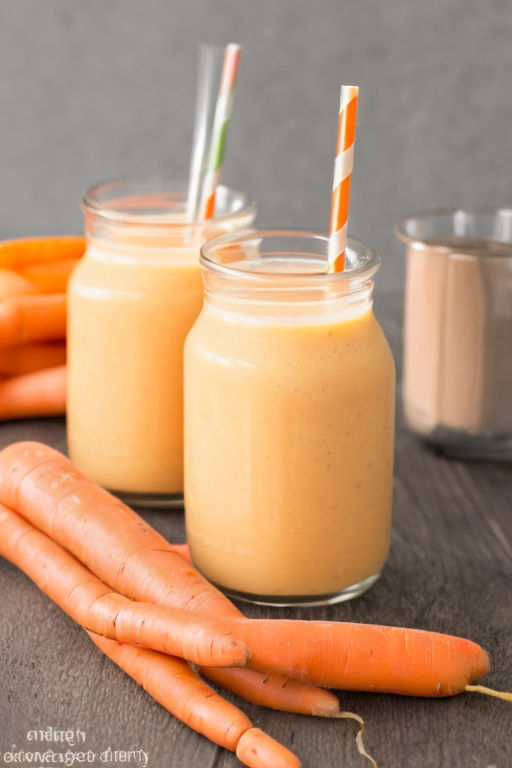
[(41, 393), (32, 318), (176, 687)]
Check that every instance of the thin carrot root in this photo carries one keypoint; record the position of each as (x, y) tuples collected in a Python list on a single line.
[(505, 695), (359, 736)]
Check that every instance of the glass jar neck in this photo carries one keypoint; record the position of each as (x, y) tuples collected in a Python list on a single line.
[(281, 276), (285, 304), (152, 214)]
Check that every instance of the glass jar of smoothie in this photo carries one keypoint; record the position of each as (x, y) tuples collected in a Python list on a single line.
[(131, 302), (289, 422)]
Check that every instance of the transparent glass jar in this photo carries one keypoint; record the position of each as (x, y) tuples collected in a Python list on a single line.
[(289, 422), (131, 302), (457, 381)]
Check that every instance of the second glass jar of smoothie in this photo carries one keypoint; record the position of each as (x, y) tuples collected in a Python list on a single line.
[(289, 422), (131, 302)]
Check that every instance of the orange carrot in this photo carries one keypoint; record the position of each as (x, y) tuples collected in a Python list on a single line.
[(362, 657), (51, 276), (95, 606), (27, 251), (44, 487), (25, 358), (32, 318), (42, 393), (177, 688), (13, 284)]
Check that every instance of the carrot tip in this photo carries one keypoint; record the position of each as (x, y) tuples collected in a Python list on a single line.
[(505, 695)]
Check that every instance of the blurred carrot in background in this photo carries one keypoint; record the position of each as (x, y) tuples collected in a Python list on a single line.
[(34, 273)]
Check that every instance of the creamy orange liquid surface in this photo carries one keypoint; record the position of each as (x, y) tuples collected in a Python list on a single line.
[(125, 391), (288, 452)]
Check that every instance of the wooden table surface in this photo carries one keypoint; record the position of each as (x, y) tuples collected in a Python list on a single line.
[(450, 569)]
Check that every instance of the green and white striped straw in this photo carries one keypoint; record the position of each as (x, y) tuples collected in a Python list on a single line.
[(223, 109), (211, 58)]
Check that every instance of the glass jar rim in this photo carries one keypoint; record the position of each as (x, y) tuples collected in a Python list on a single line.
[(365, 271), (156, 185), (402, 227)]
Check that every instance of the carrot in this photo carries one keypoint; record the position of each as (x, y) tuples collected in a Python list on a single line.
[(177, 688), (32, 318), (44, 487), (13, 284), (42, 393), (95, 606), (25, 358), (50, 276), (362, 657), (25, 252)]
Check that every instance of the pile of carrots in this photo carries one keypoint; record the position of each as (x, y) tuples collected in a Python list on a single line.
[(33, 278), (147, 608)]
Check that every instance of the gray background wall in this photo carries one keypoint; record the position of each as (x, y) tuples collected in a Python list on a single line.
[(97, 89)]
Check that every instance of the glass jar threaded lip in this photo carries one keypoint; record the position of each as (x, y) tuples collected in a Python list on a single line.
[(219, 256)]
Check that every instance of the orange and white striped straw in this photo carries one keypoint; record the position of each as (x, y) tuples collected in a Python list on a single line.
[(223, 110), (342, 177)]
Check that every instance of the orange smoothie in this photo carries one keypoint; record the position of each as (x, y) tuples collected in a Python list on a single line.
[(125, 393), (131, 302), (289, 414)]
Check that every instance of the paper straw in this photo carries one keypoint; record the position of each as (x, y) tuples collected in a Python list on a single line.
[(342, 177), (223, 110), (210, 65)]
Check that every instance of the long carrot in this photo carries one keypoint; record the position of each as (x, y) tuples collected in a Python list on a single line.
[(24, 252), (32, 318), (95, 606), (48, 490), (13, 284), (25, 358), (42, 393), (177, 688)]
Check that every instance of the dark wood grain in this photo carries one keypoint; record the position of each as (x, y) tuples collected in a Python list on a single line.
[(450, 569)]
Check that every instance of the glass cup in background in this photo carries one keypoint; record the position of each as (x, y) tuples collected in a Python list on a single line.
[(131, 302), (457, 382), (289, 422)]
